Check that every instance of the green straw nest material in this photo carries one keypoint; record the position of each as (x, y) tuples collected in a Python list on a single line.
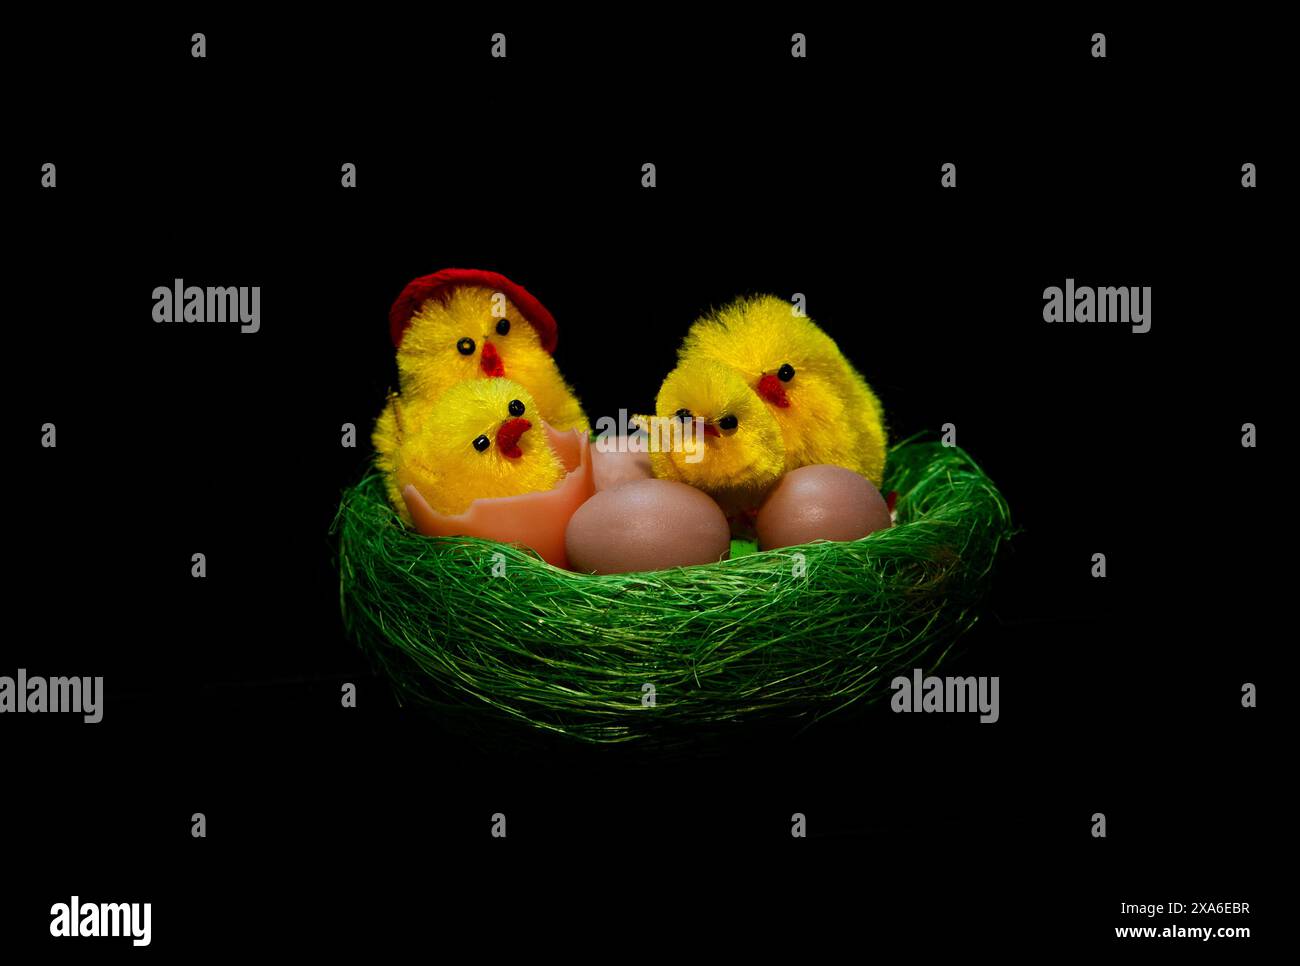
[(491, 631)]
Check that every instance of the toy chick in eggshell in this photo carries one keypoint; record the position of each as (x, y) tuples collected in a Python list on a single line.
[(459, 324), (474, 441), (826, 411)]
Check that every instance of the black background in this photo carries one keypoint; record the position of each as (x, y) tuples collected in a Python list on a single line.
[(331, 826)]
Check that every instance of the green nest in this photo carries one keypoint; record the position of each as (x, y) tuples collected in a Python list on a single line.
[(495, 635)]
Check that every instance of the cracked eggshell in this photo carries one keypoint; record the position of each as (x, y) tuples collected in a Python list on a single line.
[(613, 464)]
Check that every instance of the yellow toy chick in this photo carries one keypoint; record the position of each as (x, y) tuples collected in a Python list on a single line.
[(735, 454), (474, 441), (826, 410), (460, 324)]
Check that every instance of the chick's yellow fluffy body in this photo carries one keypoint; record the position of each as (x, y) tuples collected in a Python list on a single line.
[(431, 444), (430, 358), (739, 464), (832, 415)]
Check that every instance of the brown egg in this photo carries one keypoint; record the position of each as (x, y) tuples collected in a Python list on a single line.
[(612, 464), (820, 503), (646, 525)]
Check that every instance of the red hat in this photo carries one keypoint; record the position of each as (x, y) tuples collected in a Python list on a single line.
[(420, 290)]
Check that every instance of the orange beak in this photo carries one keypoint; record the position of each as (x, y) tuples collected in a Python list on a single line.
[(508, 437), (489, 361), (771, 389)]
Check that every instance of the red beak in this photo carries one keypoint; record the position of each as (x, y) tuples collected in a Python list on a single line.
[(711, 430), (508, 437), (490, 361), (771, 389)]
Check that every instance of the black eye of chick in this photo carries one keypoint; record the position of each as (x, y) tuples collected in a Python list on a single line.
[(785, 373), (683, 414), (482, 443), (728, 422), (503, 327), (516, 408), (465, 347)]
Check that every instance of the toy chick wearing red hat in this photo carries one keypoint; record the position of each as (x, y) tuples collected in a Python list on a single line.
[(461, 323)]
